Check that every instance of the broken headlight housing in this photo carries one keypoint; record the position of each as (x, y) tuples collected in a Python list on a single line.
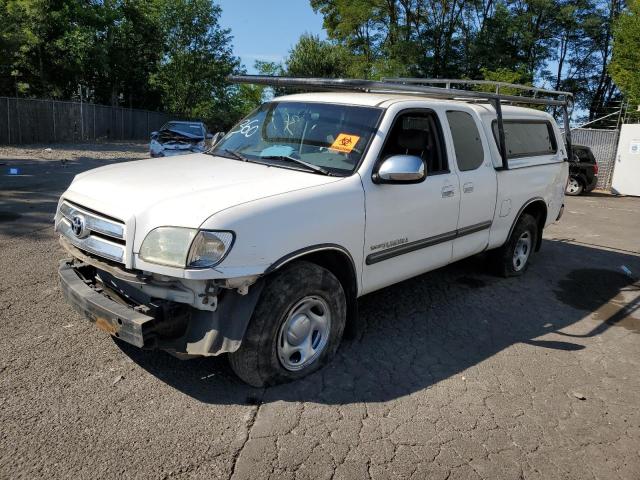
[(186, 247)]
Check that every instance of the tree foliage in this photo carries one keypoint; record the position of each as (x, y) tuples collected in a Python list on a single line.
[(174, 55), (312, 57), (197, 57), (625, 65), (156, 54), (563, 44)]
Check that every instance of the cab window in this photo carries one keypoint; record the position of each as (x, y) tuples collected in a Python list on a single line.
[(466, 140)]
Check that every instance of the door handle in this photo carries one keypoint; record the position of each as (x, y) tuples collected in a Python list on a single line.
[(448, 191), (467, 187)]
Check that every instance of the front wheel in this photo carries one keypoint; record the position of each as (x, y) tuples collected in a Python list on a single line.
[(574, 186), (295, 329), (512, 259)]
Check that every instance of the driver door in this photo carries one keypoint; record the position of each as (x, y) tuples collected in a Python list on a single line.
[(410, 228)]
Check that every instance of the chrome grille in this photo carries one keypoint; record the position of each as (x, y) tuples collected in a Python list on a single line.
[(99, 235), (95, 222)]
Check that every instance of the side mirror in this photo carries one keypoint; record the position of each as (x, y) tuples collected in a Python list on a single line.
[(154, 134), (401, 169)]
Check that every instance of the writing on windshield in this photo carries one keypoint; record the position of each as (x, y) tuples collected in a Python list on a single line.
[(330, 136)]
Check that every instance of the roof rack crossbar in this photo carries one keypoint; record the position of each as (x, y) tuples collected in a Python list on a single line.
[(414, 86), (498, 85)]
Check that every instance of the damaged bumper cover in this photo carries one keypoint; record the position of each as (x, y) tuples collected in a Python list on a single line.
[(155, 323), (119, 320)]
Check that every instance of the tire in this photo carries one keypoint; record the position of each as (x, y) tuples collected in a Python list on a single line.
[(302, 301), (524, 238), (574, 186)]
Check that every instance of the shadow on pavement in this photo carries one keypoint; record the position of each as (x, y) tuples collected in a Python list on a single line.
[(427, 329)]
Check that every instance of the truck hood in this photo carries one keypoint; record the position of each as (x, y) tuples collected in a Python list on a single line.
[(181, 191)]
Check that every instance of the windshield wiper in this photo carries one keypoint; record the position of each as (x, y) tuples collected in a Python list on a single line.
[(232, 153), (310, 166), (236, 155)]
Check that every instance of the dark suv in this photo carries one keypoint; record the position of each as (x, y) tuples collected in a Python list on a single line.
[(583, 171)]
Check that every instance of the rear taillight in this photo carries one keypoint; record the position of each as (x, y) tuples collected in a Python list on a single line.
[(595, 168)]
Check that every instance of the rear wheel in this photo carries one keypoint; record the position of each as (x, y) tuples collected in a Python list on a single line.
[(295, 329), (513, 258), (574, 186)]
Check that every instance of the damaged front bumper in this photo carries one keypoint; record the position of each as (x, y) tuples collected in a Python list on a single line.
[(128, 324), (156, 323)]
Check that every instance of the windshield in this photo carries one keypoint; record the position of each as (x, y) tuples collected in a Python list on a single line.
[(333, 137), (194, 129)]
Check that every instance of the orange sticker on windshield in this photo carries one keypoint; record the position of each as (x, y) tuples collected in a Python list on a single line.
[(345, 143)]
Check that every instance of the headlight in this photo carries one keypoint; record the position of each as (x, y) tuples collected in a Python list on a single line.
[(209, 248), (185, 247)]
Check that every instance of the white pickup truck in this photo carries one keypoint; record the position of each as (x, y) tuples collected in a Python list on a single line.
[(261, 246)]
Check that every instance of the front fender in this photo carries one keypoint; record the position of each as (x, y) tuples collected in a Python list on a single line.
[(272, 230)]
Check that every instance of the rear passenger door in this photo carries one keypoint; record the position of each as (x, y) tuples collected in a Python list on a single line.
[(478, 183)]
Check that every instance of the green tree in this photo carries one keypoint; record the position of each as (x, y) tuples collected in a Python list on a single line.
[(625, 65), (50, 47), (312, 57), (564, 43), (507, 76), (156, 54), (196, 61), (45, 45), (247, 97), (126, 53)]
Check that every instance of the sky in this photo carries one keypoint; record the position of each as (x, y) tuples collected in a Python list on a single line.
[(267, 29)]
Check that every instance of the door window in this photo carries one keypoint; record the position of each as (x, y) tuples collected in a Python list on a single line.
[(466, 140), (417, 133)]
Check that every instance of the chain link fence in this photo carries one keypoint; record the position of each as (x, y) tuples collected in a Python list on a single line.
[(603, 144), (26, 120)]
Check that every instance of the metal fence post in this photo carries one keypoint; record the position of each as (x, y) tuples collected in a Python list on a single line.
[(53, 116), (19, 127), (81, 117), (8, 123), (613, 157)]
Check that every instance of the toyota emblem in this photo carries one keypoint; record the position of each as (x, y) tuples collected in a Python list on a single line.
[(78, 226)]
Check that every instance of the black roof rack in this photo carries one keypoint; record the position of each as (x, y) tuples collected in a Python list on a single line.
[(424, 87)]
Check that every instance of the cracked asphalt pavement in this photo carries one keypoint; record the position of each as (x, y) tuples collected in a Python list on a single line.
[(455, 374)]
